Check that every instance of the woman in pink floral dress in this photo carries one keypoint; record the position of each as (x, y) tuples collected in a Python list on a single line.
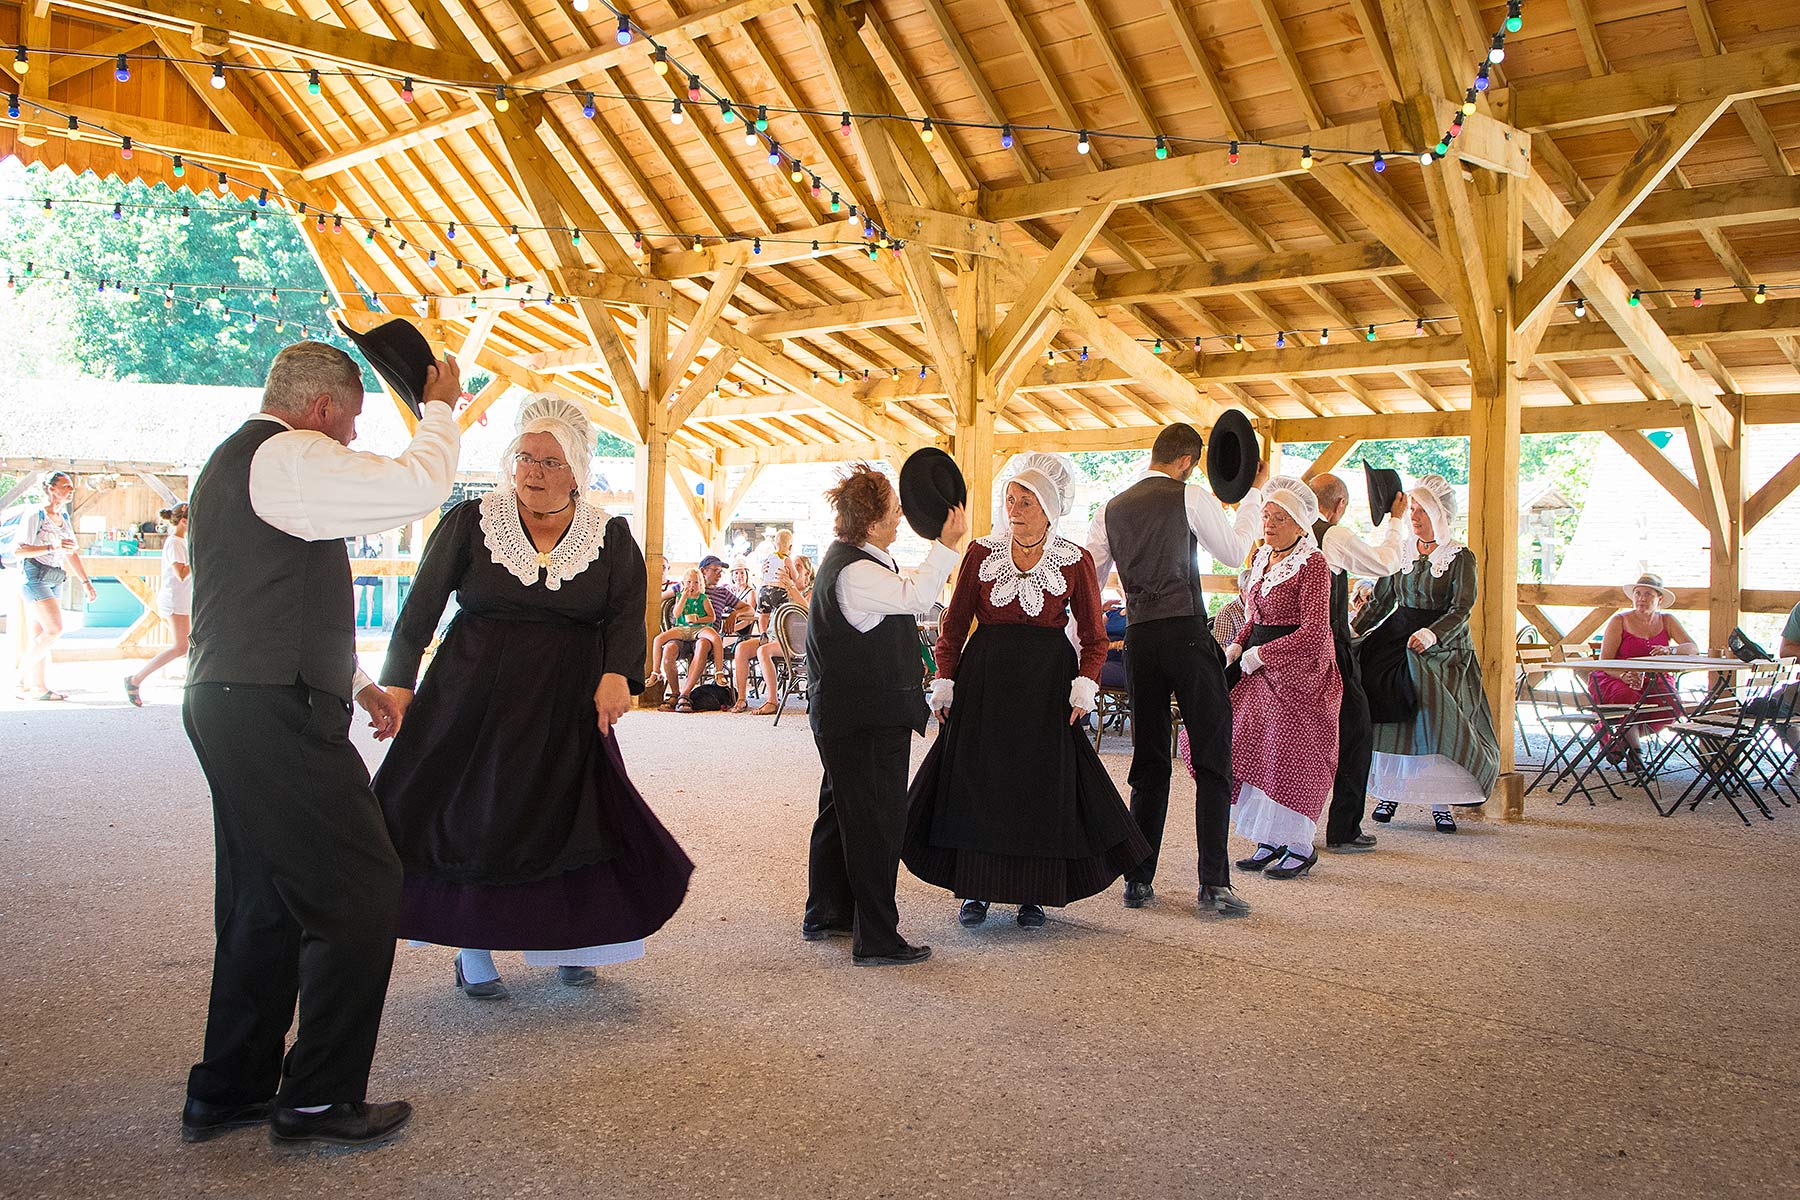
[(1285, 689)]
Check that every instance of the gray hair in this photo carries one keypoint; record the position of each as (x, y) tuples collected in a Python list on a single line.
[(1329, 489), (305, 370)]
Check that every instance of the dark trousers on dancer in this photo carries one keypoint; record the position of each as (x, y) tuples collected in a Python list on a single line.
[(856, 839), (1356, 745), (1178, 658), (307, 896)]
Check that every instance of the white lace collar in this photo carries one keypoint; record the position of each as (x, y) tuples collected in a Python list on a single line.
[(1027, 587), (511, 546), (1286, 569), (1440, 558)]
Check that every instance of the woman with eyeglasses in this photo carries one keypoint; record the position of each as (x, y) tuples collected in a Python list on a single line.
[(505, 792)]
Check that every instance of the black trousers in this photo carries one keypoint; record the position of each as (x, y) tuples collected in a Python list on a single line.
[(855, 855), (1356, 745), (307, 897), (1178, 658)]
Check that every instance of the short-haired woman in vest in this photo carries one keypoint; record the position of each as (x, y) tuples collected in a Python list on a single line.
[(505, 792), (1284, 701), (1434, 734), (866, 700), (1012, 804)]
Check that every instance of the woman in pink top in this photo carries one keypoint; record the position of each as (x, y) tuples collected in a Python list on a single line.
[(1643, 632)]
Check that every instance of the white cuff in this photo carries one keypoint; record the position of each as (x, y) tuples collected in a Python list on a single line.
[(1426, 636), (1252, 660), (1082, 693), (941, 692), (359, 681)]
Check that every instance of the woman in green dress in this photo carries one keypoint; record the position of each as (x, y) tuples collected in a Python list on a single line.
[(1434, 735)]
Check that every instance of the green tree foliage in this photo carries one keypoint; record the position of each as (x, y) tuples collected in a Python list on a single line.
[(121, 335)]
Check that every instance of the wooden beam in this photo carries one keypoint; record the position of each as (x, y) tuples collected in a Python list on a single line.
[(1769, 496), (701, 327), (1030, 303), (253, 24), (1666, 474), (208, 145), (496, 387), (877, 313), (700, 388), (1651, 90), (1335, 452), (1178, 175), (1543, 284), (823, 452), (1290, 268), (404, 139), (65, 67), (718, 19)]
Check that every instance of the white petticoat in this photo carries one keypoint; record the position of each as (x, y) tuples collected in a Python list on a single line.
[(1267, 823), (581, 956), (1422, 779)]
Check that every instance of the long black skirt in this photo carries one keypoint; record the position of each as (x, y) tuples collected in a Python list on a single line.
[(1012, 804), (1386, 676), (515, 820)]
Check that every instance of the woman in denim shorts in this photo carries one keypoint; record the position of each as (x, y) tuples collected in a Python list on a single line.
[(47, 552)]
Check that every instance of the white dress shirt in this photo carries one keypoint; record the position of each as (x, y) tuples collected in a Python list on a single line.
[(1226, 539), (313, 487), (1348, 554), (866, 592)]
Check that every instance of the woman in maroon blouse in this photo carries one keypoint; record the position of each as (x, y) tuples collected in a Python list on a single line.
[(1012, 803)]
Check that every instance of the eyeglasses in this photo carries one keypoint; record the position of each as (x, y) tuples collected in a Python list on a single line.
[(525, 462)]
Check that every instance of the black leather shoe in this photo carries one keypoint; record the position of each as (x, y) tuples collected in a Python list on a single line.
[(810, 932), (356, 1124), (577, 976), (1444, 821), (491, 989), (897, 958), (1292, 866), (1031, 916), (1138, 894), (1222, 902), (1384, 811), (1264, 856), (201, 1122), (973, 913), (1360, 844)]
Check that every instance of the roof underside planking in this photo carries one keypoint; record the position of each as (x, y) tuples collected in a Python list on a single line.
[(1142, 248)]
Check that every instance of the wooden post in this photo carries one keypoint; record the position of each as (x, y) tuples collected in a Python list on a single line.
[(976, 408), (1494, 431), (652, 503), (1727, 578)]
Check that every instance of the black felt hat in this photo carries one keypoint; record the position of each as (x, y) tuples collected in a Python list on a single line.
[(931, 484), (1384, 484), (400, 355), (1231, 456)]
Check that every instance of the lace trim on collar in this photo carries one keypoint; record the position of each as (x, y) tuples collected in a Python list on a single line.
[(1439, 559), (1281, 572), (1027, 587), (511, 546)]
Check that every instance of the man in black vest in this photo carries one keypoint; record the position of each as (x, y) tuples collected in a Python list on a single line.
[(308, 885), (1153, 530), (1345, 552), (866, 700)]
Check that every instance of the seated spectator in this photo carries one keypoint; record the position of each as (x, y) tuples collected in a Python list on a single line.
[(773, 594), (796, 581), (694, 622), (1112, 671), (731, 608), (1228, 622)]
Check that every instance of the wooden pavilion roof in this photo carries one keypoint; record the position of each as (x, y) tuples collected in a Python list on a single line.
[(1588, 94)]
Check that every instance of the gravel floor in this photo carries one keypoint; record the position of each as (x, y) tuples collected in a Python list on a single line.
[(1592, 1003)]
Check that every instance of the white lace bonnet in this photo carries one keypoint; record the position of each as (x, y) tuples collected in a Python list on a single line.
[(1294, 498), (562, 419), (1434, 494), (1049, 477)]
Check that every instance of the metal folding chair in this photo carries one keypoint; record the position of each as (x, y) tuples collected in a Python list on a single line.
[(789, 621), (1724, 747)]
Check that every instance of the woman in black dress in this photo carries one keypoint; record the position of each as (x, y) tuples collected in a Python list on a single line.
[(1012, 804), (504, 790)]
